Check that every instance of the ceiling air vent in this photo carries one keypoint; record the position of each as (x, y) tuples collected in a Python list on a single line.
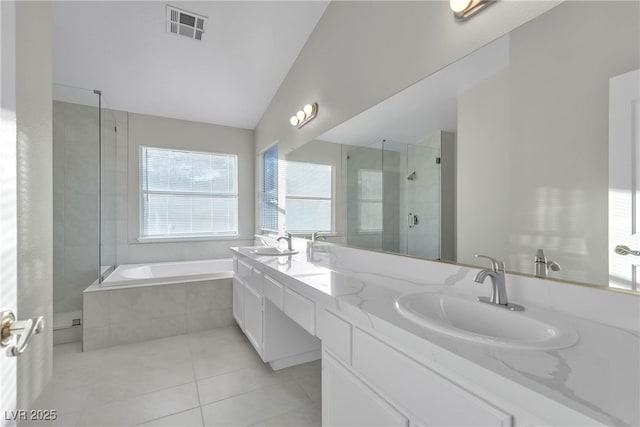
[(185, 23)]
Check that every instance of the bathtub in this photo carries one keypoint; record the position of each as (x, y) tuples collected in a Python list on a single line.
[(139, 302), (169, 272)]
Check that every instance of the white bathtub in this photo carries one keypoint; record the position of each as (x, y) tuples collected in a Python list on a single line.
[(169, 272)]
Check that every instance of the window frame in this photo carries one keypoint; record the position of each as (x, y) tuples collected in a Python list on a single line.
[(332, 199), (261, 227), (185, 237), (364, 201)]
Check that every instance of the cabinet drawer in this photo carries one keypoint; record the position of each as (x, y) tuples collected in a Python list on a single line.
[(273, 291), (336, 336), (430, 397), (255, 281), (301, 310), (244, 271)]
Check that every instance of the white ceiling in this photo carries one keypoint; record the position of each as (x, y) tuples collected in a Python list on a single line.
[(229, 78), (425, 107)]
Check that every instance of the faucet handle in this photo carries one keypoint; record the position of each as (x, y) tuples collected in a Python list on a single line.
[(496, 265)]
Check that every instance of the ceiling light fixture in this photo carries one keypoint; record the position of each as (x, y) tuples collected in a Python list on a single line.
[(305, 115), (464, 9)]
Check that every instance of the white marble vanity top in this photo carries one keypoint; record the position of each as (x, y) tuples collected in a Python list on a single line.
[(598, 377)]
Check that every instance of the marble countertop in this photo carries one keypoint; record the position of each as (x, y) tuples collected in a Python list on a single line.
[(598, 377)]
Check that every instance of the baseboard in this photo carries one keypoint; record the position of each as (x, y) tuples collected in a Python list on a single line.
[(298, 359)]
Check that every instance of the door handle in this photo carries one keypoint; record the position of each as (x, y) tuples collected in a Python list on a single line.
[(412, 220), (624, 250), (25, 329)]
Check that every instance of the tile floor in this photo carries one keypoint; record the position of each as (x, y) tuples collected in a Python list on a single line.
[(211, 378)]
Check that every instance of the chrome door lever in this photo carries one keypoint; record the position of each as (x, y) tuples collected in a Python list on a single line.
[(25, 329), (624, 250)]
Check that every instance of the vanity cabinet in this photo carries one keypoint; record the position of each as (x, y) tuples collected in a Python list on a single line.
[(258, 302), (403, 390)]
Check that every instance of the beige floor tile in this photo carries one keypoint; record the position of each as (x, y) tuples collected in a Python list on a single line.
[(309, 415), (190, 418), (257, 405), (143, 408), (241, 381), (154, 382)]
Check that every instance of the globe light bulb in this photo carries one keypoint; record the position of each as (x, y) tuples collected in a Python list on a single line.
[(294, 121), (300, 115), (308, 109), (459, 5)]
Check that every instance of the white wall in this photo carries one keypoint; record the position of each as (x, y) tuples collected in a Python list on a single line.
[(35, 193), (362, 52), (141, 130), (533, 142)]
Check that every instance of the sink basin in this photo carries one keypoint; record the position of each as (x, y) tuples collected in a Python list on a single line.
[(472, 320), (270, 251)]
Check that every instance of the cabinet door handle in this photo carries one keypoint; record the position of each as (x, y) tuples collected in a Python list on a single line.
[(25, 329), (624, 250)]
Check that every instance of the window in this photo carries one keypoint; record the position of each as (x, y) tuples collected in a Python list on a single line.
[(370, 200), (309, 197), (270, 189), (187, 193)]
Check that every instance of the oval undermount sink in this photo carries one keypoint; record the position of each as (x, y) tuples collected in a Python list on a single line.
[(475, 321), (271, 251)]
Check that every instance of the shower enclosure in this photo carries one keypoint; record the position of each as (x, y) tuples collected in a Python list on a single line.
[(400, 197), (84, 159)]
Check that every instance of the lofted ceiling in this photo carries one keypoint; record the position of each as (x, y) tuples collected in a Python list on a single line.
[(123, 49)]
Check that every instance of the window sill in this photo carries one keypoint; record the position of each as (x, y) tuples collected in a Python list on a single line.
[(183, 239)]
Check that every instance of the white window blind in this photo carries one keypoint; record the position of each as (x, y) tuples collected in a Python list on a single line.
[(309, 194), (188, 193), (370, 200), (270, 189)]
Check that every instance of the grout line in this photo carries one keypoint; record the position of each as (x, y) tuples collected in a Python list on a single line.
[(170, 415), (195, 377)]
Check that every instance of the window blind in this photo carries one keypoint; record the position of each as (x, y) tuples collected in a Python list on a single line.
[(309, 196), (270, 189), (188, 193), (370, 200)]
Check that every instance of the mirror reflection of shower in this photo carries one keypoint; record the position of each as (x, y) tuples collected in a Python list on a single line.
[(400, 197), (84, 240)]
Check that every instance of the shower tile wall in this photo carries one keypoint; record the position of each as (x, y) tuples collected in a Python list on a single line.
[(75, 215)]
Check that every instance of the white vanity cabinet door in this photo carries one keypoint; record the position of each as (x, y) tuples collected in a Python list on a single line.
[(347, 401), (238, 302), (253, 318)]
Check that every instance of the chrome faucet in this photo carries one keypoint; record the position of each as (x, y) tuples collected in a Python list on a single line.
[(541, 265), (288, 238), (314, 238), (498, 286)]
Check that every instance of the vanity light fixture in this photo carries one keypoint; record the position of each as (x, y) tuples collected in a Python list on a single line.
[(305, 115), (464, 9)]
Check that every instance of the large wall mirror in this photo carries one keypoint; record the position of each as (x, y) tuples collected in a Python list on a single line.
[(504, 152)]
